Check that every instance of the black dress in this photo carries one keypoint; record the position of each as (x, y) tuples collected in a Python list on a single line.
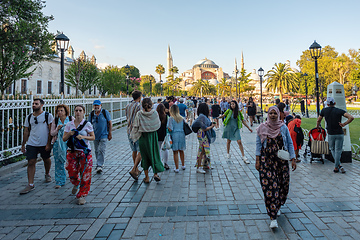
[(162, 131), (215, 111), (251, 109)]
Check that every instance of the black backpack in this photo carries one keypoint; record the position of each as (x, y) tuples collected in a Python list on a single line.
[(70, 142), (299, 136), (103, 112), (46, 120)]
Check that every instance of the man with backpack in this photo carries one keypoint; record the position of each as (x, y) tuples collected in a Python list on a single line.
[(37, 139), (101, 120)]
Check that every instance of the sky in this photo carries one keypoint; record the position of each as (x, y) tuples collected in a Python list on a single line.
[(138, 32)]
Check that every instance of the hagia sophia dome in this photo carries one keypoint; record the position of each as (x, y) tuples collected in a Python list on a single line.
[(206, 63)]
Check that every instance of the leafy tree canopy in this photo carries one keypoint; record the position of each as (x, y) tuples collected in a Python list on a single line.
[(24, 39)]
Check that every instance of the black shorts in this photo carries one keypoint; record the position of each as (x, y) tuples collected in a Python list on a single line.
[(32, 152)]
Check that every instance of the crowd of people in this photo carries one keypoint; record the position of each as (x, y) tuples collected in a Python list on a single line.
[(154, 129)]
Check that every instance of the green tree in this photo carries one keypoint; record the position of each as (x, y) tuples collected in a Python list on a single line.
[(202, 87), (24, 39), (82, 75), (244, 80), (112, 81), (281, 78), (223, 87), (157, 89), (145, 84), (160, 70)]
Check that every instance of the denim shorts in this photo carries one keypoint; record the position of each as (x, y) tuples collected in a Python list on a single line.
[(134, 145), (32, 152)]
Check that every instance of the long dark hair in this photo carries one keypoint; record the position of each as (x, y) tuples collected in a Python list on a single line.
[(236, 109), (203, 108), (161, 111)]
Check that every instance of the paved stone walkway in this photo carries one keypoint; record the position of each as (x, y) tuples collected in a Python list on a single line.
[(225, 203)]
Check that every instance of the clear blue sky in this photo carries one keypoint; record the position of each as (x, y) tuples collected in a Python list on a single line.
[(137, 32)]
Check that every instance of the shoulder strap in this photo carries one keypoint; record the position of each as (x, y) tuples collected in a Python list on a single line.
[(29, 117), (47, 118), (82, 126), (70, 118), (91, 116), (56, 121), (104, 113)]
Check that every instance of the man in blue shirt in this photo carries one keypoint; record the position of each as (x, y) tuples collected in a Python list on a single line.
[(182, 108), (101, 121)]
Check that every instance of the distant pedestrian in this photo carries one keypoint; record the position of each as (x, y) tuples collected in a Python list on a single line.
[(164, 153), (157, 104), (62, 117), (79, 159), (251, 110), (334, 127), (203, 127), (183, 110), (190, 114), (38, 140), (101, 120), (272, 136), (215, 113), (233, 123), (224, 105), (131, 110), (145, 126), (176, 128)]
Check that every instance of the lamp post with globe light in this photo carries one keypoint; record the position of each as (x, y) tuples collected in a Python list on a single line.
[(306, 96), (261, 74), (62, 44), (315, 53), (127, 68)]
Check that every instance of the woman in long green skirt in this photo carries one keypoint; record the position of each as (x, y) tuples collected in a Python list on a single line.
[(145, 128)]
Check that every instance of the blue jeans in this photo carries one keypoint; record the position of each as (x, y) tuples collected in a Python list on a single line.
[(100, 147), (336, 147)]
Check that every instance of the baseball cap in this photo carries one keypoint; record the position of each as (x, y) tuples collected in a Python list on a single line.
[(330, 100), (97, 102)]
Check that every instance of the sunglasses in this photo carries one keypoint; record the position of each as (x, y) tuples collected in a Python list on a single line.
[(36, 121), (97, 119), (78, 110)]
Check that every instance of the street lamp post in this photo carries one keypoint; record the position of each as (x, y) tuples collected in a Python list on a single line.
[(150, 77), (62, 44), (315, 52), (236, 81), (127, 67), (261, 74), (306, 92), (161, 83)]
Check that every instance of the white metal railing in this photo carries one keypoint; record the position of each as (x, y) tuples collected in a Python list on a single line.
[(14, 112)]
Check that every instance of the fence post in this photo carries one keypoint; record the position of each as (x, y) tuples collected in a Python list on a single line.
[(111, 107)]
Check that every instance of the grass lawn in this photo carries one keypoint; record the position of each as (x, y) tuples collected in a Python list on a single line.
[(310, 123)]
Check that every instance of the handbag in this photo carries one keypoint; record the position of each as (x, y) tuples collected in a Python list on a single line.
[(319, 146), (283, 154), (187, 129), (167, 142)]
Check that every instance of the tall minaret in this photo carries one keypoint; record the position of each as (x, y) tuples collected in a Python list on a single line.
[(242, 60), (236, 70), (169, 60)]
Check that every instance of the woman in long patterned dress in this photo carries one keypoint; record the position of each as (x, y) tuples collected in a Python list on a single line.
[(274, 172), (59, 148)]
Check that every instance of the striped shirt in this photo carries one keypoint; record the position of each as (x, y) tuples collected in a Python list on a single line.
[(130, 111)]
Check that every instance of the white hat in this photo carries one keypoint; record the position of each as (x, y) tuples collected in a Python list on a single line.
[(330, 100)]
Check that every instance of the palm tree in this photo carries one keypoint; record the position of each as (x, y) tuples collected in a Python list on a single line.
[(281, 79), (223, 86), (160, 70)]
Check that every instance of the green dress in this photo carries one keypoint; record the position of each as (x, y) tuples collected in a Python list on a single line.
[(149, 150), (231, 130)]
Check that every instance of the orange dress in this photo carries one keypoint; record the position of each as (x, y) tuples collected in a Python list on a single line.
[(293, 134)]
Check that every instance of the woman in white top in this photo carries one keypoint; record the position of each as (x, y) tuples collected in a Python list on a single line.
[(79, 160)]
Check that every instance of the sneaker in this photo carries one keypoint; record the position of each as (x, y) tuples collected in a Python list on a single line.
[(74, 190), (27, 189), (342, 170), (245, 160), (176, 170), (336, 170), (57, 186), (81, 201), (279, 212), (199, 170), (228, 155), (183, 167), (48, 178), (166, 166), (273, 224), (99, 170)]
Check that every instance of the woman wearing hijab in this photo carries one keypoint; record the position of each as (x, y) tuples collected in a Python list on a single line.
[(145, 128), (272, 136)]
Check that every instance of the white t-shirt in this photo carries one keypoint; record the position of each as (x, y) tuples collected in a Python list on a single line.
[(39, 132), (87, 129)]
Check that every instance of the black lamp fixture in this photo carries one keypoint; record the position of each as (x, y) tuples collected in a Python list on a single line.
[(127, 69), (315, 53), (62, 44), (150, 80), (306, 92), (261, 74)]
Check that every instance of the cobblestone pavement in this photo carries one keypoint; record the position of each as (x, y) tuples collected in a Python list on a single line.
[(225, 203)]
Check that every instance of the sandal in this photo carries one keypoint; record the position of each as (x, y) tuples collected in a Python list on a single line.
[(134, 176), (146, 180), (157, 178), (298, 160)]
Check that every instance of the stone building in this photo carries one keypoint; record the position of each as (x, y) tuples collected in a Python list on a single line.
[(46, 78)]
